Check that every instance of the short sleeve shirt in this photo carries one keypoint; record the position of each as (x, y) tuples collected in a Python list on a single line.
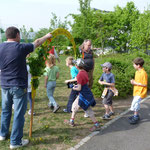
[(108, 77), (74, 71), (82, 77), (51, 73), (140, 77), (13, 64)]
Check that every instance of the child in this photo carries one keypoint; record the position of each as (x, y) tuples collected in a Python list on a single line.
[(73, 71), (85, 98), (51, 74), (29, 96), (139, 90), (108, 80)]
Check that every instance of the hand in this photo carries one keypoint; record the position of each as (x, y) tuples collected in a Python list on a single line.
[(49, 35), (132, 81), (66, 81), (45, 86)]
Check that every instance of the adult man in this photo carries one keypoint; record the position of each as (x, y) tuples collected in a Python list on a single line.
[(14, 84), (87, 55)]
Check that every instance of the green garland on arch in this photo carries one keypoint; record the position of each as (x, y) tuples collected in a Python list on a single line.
[(36, 62)]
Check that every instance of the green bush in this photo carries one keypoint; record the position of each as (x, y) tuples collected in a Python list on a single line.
[(122, 69)]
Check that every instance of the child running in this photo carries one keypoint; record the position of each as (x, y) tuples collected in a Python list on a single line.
[(73, 71), (85, 98), (51, 74), (108, 80), (139, 89)]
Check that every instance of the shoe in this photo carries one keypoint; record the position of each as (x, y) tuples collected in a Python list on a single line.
[(95, 128), (86, 115), (2, 138), (56, 109), (111, 113), (29, 112), (131, 117), (23, 143), (105, 117), (51, 106), (65, 110), (71, 123), (134, 120)]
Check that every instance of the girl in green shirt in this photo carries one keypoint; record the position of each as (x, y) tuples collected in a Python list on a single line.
[(51, 75)]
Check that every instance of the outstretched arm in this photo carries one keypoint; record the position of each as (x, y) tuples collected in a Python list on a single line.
[(41, 40)]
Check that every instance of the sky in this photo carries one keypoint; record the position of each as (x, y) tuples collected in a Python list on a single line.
[(37, 13)]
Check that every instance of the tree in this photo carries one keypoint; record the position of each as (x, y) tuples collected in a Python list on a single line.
[(26, 34), (123, 21), (82, 25), (140, 37)]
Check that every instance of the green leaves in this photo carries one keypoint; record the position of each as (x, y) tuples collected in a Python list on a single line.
[(36, 62)]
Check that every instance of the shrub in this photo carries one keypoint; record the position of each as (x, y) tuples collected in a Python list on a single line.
[(122, 69)]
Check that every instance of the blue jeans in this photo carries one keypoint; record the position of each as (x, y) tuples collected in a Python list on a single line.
[(50, 91), (18, 97)]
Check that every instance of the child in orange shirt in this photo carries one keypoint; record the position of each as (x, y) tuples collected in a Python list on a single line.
[(139, 89)]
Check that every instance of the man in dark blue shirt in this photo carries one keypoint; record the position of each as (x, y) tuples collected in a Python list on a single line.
[(87, 55), (14, 84)]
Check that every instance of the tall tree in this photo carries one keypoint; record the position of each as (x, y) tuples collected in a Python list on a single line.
[(124, 19), (82, 25), (140, 37)]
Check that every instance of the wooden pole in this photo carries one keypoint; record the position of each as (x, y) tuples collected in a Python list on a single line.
[(32, 110)]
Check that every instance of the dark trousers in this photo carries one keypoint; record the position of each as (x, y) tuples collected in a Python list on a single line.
[(72, 97)]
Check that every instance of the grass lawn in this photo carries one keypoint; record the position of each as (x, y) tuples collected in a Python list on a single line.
[(49, 131)]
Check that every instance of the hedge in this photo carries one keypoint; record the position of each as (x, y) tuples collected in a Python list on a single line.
[(122, 69)]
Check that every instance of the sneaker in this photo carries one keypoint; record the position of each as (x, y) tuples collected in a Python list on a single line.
[(134, 120), (71, 123), (29, 112), (56, 109), (105, 117), (65, 110), (95, 128), (51, 106), (23, 143), (86, 115), (131, 117), (2, 138), (111, 113)]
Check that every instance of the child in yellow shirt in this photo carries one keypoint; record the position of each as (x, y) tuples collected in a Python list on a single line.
[(139, 89)]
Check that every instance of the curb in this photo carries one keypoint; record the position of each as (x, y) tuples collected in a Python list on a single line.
[(87, 138)]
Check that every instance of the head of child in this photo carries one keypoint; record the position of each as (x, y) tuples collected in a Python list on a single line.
[(69, 61), (138, 63), (79, 63), (51, 61), (107, 66)]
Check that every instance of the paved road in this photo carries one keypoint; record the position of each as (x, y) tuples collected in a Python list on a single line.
[(120, 135)]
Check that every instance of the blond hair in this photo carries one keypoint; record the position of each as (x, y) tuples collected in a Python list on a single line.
[(51, 61), (69, 60)]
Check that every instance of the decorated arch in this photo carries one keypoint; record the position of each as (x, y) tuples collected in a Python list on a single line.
[(37, 63)]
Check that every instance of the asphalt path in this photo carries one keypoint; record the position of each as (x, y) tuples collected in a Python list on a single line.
[(119, 134)]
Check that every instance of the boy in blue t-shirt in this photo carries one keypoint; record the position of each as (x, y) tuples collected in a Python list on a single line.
[(73, 71), (108, 80)]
